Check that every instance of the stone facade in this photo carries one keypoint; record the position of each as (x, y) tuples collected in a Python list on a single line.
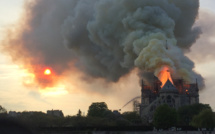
[(175, 96)]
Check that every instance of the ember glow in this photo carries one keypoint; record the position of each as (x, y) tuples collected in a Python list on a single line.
[(187, 91), (165, 75)]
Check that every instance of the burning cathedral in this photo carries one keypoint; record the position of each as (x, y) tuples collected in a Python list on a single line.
[(173, 92)]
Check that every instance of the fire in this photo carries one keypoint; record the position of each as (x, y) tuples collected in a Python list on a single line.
[(164, 75), (187, 91), (47, 72)]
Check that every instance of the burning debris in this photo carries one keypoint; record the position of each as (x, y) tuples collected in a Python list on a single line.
[(105, 38)]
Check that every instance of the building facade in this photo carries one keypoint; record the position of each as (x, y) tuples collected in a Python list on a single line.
[(57, 113), (175, 95)]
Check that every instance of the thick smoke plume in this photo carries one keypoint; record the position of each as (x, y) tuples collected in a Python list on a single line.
[(106, 38)]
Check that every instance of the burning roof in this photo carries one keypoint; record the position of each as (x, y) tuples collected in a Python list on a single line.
[(168, 88)]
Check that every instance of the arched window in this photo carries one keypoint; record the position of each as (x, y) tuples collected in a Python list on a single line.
[(169, 99)]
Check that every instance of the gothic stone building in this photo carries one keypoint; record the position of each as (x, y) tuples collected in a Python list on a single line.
[(175, 96)]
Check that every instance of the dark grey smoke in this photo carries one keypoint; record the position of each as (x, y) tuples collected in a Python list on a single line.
[(108, 38), (185, 33)]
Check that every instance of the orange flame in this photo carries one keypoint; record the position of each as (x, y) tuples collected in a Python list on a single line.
[(187, 91), (164, 75)]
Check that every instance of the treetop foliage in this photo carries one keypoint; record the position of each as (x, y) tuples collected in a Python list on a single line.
[(186, 113), (97, 109), (165, 117), (205, 119), (2, 110)]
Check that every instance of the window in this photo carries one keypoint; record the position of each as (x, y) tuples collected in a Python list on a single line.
[(169, 99)]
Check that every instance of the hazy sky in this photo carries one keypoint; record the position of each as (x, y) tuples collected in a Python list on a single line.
[(17, 97)]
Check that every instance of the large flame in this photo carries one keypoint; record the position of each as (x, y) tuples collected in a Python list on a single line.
[(165, 75)]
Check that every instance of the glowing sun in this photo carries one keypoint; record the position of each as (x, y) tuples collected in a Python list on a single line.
[(47, 72)]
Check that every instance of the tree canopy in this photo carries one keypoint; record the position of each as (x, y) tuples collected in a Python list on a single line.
[(79, 114), (186, 113), (97, 109), (133, 117), (165, 117), (205, 119), (2, 110)]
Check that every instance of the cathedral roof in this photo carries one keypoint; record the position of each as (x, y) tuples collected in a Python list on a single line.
[(168, 88)]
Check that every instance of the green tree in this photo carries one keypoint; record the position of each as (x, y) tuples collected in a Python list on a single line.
[(165, 117), (2, 110), (79, 113), (205, 119), (132, 117), (36, 119), (186, 113), (97, 109)]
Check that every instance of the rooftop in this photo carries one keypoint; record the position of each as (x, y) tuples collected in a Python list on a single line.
[(168, 88)]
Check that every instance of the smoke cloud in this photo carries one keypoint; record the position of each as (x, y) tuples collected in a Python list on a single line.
[(106, 38), (203, 51)]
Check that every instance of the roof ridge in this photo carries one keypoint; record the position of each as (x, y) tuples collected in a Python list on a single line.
[(168, 87)]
